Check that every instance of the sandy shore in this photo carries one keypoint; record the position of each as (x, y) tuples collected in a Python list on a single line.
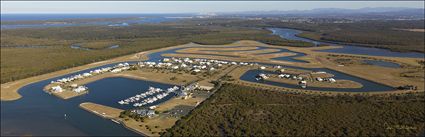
[(337, 84), (101, 110), (150, 126)]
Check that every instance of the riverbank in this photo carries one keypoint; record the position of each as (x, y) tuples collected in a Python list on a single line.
[(9, 90), (101, 110), (309, 36), (155, 76), (337, 84), (149, 126), (315, 59), (110, 113)]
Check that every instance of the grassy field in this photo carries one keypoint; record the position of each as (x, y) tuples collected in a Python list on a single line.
[(20, 61), (243, 111)]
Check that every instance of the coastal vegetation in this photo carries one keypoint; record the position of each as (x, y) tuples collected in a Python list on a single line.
[(381, 34), (390, 34), (34, 51), (236, 110)]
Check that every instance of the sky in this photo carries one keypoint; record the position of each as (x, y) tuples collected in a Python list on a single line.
[(186, 6)]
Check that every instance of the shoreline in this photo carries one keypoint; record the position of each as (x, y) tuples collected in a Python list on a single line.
[(164, 79), (10, 90), (340, 43), (88, 106)]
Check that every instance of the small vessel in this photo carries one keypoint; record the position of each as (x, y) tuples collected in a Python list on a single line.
[(121, 102), (113, 120), (261, 76)]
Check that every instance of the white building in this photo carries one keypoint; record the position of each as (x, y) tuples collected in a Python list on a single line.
[(80, 89), (57, 89)]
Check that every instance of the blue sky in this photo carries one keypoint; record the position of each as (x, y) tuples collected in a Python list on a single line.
[(186, 6)]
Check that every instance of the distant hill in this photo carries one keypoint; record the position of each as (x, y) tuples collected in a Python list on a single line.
[(388, 12)]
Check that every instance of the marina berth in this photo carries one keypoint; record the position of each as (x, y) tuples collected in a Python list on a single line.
[(68, 87), (148, 97), (143, 102), (261, 76)]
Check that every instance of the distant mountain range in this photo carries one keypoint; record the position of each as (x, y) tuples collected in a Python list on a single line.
[(378, 11)]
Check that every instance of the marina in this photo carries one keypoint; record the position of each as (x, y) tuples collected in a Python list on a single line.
[(212, 68), (123, 94)]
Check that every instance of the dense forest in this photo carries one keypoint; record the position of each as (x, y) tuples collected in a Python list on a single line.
[(382, 34), (390, 34), (30, 52), (246, 111)]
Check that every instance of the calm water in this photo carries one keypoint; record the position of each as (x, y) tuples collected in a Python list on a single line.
[(143, 19), (280, 50), (348, 49), (38, 113), (382, 63), (368, 86), (77, 46)]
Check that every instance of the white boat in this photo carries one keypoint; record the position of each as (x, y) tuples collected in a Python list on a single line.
[(113, 120), (121, 102)]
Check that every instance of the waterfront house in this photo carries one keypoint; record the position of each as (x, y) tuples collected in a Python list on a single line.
[(74, 85), (80, 89), (281, 70), (281, 75), (87, 74), (190, 87), (145, 112), (57, 89), (196, 70), (303, 83), (261, 77)]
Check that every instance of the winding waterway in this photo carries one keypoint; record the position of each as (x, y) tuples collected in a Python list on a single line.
[(64, 20), (78, 46), (291, 34), (41, 114)]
